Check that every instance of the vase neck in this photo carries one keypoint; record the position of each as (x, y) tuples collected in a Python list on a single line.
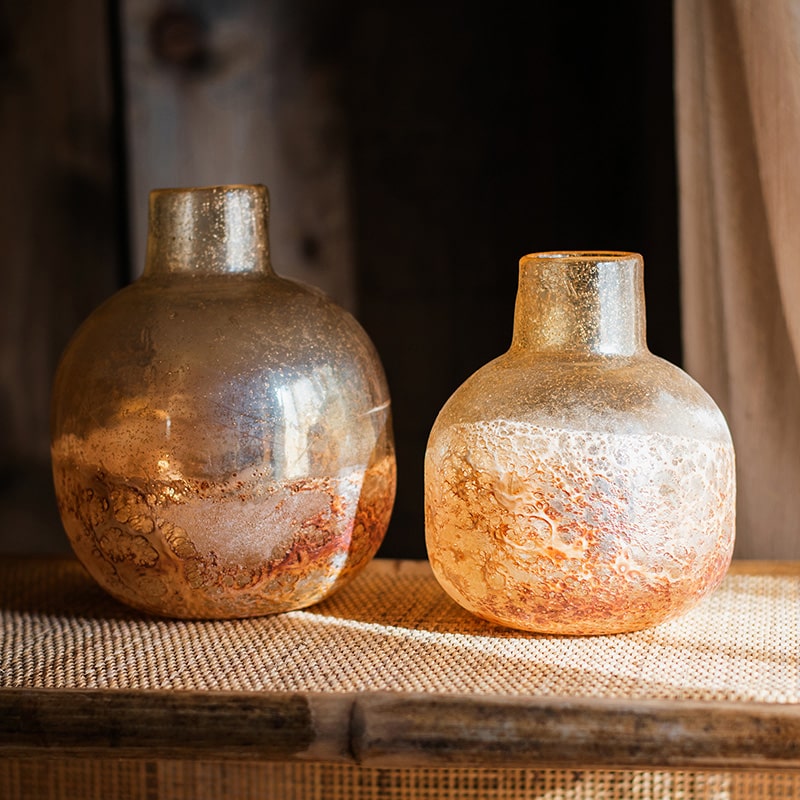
[(215, 230), (580, 304)]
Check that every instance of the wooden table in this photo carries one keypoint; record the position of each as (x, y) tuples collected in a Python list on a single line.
[(390, 674)]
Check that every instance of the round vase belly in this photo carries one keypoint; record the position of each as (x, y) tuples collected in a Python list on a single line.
[(578, 484), (221, 437)]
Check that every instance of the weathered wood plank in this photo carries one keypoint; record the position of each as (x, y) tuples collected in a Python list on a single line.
[(376, 727), (517, 732), (237, 93), (58, 219), (391, 730), (257, 725)]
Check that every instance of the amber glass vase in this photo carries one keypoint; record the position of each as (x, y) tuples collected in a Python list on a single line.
[(221, 436), (578, 484)]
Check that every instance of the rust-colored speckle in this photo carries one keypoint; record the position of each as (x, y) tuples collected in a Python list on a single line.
[(577, 532), (247, 547)]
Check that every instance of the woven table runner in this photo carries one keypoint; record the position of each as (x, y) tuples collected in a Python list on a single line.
[(392, 629)]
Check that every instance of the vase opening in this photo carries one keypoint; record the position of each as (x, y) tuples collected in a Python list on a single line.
[(583, 255), (581, 303), (210, 230)]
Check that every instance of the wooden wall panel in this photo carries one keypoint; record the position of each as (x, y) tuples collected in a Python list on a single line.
[(235, 93), (57, 220), (413, 152), (58, 226)]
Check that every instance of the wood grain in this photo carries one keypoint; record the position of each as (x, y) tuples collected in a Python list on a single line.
[(235, 92), (58, 209), (516, 732), (59, 215), (269, 726), (375, 727), (391, 730)]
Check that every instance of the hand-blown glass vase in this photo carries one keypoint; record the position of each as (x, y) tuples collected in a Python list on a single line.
[(578, 484), (221, 436)]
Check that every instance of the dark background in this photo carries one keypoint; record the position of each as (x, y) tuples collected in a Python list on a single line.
[(476, 132), (479, 137)]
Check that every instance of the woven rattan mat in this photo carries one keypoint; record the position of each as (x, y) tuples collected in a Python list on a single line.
[(391, 629), (394, 629)]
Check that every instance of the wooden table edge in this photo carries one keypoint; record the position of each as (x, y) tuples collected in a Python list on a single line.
[(386, 729)]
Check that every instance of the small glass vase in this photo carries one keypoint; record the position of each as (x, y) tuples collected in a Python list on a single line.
[(221, 436), (578, 484)]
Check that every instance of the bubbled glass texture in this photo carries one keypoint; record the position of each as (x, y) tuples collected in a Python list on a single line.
[(578, 484), (221, 436)]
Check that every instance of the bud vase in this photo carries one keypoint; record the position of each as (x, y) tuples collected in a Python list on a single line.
[(578, 484), (221, 436)]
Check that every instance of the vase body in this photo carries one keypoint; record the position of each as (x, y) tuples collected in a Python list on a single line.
[(578, 484), (221, 436)]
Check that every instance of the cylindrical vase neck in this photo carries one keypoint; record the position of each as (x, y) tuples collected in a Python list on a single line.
[(215, 230), (580, 304)]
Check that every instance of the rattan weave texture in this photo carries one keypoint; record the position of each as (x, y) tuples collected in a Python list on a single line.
[(394, 629)]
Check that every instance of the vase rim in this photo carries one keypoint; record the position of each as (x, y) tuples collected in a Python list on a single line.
[(582, 255), (583, 301), (221, 187), (207, 230)]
